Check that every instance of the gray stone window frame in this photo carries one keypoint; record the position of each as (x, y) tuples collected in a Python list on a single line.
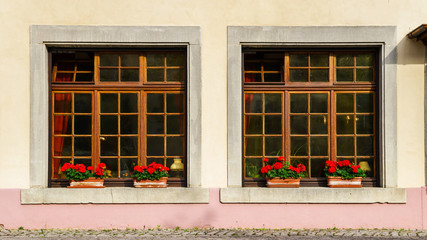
[(44, 36), (383, 37)]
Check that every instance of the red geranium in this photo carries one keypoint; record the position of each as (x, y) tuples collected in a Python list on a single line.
[(154, 171), (79, 172), (282, 169), (344, 169)]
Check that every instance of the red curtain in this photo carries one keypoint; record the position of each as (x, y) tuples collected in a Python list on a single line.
[(248, 101)]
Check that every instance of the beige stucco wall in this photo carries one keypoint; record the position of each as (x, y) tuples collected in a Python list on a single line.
[(213, 16)]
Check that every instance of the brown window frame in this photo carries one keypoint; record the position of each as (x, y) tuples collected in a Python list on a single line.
[(96, 87), (332, 86)]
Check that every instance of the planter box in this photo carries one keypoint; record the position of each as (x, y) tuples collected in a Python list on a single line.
[(88, 183), (283, 183), (161, 183), (337, 182)]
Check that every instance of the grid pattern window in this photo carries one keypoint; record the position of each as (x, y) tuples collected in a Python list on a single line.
[(121, 108), (310, 106)]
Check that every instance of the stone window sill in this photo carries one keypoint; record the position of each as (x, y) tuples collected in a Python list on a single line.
[(114, 195), (312, 195)]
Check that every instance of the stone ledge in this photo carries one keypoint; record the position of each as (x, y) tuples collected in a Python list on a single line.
[(114, 195), (313, 195)]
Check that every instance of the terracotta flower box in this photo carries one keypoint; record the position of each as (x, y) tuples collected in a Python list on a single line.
[(337, 182), (161, 183), (283, 183), (88, 183)]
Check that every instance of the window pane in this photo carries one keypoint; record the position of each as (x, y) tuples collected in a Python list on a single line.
[(299, 124), (64, 77), (316, 166), (155, 75), (345, 60), (272, 77), (155, 146), (129, 75), (273, 124), (319, 146), (84, 77), (253, 103), (175, 60), (84, 161), (319, 124), (112, 165), (129, 124), (109, 124), (364, 60), (109, 103), (174, 103), (155, 60), (129, 60), (156, 160), (364, 103), (367, 164), (175, 173), (62, 103), (364, 75), (253, 77), (319, 60), (82, 124), (82, 146), (155, 103), (253, 124), (273, 146), (273, 66), (109, 146), (129, 146), (155, 124), (345, 124), (273, 103), (82, 103), (299, 103), (298, 60), (365, 146), (175, 124), (318, 103), (345, 146), (299, 146), (128, 102), (345, 103), (253, 167), (109, 75), (175, 75), (126, 166), (319, 75), (62, 124), (174, 146), (109, 60), (62, 146), (298, 75), (253, 146), (345, 75), (364, 124), (252, 66)]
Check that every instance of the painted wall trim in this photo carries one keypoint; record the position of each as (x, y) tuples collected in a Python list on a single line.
[(42, 36), (113, 195), (383, 37), (313, 195)]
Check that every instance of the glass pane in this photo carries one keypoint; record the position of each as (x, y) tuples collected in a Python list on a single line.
[(252, 66), (155, 60), (367, 164), (155, 75), (109, 103), (253, 103), (364, 60), (345, 124), (155, 124), (253, 124), (64, 77), (84, 77), (128, 102), (298, 60), (273, 103), (126, 166), (253, 77), (82, 124), (175, 173), (65, 66), (317, 165), (319, 124), (129, 146), (155, 103), (156, 160), (85, 66), (273, 146), (109, 60), (62, 146), (298, 75), (364, 103), (299, 124), (345, 146), (129, 75), (174, 103), (296, 161), (319, 60), (253, 167), (129, 60), (108, 75), (62, 124), (155, 146), (109, 146), (299, 103), (365, 146), (175, 60), (319, 103), (253, 146), (319, 146), (85, 161), (273, 124), (112, 165), (299, 146), (345, 60), (175, 124), (82, 103), (272, 77), (364, 124), (174, 146), (345, 75), (62, 103), (175, 75), (319, 75), (109, 124), (345, 103), (129, 124), (364, 75), (82, 146), (273, 66)]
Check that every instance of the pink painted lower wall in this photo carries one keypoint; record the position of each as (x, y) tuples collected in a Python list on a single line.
[(412, 215)]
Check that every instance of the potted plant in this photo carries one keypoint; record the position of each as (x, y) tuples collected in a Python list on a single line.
[(343, 174), (282, 174), (81, 176), (154, 175)]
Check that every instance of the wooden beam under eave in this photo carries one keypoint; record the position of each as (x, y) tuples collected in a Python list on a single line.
[(420, 33)]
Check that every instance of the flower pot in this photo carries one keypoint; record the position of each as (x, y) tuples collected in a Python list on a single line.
[(88, 183), (283, 183), (337, 182), (161, 183)]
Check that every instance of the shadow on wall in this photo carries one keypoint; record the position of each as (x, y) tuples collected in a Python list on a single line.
[(410, 51)]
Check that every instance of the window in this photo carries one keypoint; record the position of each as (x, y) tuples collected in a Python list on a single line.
[(310, 105), (119, 107)]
